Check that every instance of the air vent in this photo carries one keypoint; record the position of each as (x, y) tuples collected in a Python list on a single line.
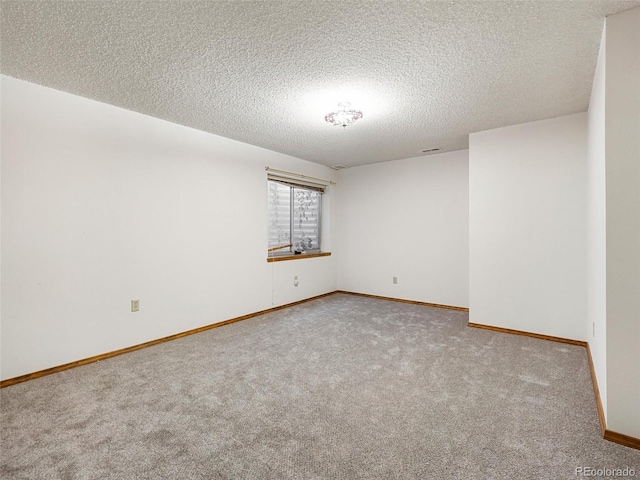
[(339, 167), (431, 150)]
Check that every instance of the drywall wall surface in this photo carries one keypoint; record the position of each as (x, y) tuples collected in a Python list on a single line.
[(596, 228), (101, 205), (622, 130), (406, 219), (527, 196)]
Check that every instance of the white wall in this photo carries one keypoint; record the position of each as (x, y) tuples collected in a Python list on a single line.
[(527, 217), (101, 205), (622, 131), (409, 219), (596, 228)]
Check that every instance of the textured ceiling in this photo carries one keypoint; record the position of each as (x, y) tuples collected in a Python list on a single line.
[(425, 73)]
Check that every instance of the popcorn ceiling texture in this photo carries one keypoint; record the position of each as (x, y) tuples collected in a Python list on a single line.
[(425, 74)]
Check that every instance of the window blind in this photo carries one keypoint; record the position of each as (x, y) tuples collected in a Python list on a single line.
[(294, 213)]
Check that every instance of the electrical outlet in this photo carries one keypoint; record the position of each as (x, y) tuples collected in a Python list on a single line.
[(295, 281), (395, 280), (135, 305)]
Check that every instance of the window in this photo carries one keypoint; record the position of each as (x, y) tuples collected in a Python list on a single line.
[(294, 217)]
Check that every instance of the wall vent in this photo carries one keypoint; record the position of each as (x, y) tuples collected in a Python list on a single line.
[(339, 167), (431, 150)]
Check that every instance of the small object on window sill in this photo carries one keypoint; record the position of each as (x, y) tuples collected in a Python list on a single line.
[(298, 252)]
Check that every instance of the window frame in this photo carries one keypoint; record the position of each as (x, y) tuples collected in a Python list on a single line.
[(282, 254)]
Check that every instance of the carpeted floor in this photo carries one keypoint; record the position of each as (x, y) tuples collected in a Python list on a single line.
[(342, 387)]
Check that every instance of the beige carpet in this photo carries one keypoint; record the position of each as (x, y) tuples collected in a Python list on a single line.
[(342, 387)]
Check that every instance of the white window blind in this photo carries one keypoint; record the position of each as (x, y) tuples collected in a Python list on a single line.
[(294, 215), (279, 216)]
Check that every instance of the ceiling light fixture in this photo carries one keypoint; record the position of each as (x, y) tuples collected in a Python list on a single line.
[(344, 117)]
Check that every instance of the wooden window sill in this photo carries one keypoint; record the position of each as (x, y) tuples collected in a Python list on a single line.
[(284, 258)]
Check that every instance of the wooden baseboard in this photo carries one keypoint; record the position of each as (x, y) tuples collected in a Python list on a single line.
[(610, 435), (529, 334), (60, 368), (596, 391), (622, 439), (96, 358), (413, 302)]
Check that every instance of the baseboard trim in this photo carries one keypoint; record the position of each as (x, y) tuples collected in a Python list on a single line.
[(529, 334), (596, 391), (85, 361), (96, 358), (413, 302), (610, 435), (622, 439)]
